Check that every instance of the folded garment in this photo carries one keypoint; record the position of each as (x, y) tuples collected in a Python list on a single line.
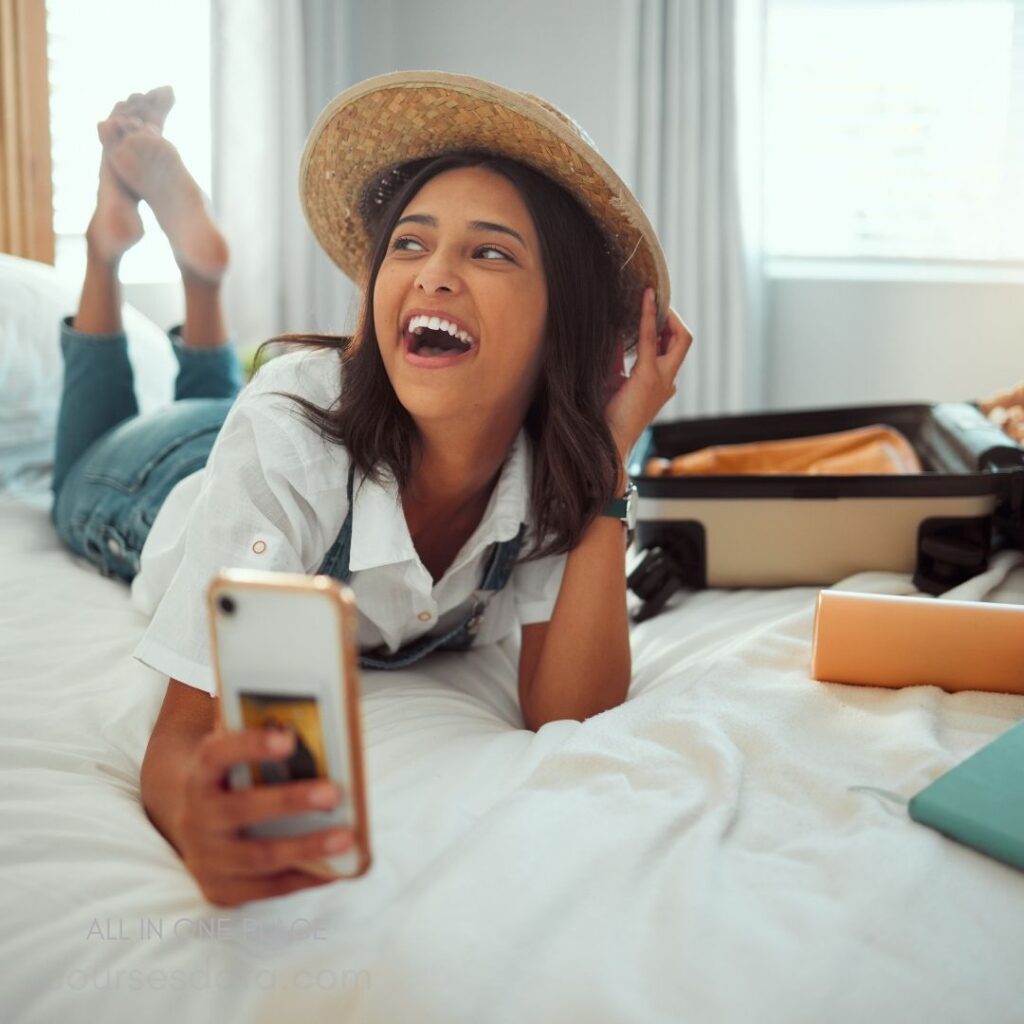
[(876, 449)]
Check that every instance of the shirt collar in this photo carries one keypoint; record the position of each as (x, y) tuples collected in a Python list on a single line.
[(380, 534)]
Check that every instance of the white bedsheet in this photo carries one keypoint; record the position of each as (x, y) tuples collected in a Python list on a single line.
[(703, 853)]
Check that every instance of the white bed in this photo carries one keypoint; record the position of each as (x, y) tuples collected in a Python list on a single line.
[(715, 850), (703, 853)]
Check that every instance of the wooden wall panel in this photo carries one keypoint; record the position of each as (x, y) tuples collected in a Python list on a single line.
[(26, 186)]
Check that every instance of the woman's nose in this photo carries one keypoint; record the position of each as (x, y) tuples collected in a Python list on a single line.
[(437, 274)]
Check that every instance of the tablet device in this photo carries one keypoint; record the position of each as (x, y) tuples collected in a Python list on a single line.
[(980, 802)]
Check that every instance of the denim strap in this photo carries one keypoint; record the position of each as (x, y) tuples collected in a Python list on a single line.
[(460, 637)]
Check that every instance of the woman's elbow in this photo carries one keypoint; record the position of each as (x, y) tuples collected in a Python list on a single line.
[(536, 717)]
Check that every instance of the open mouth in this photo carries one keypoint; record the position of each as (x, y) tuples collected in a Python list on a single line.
[(434, 338), (435, 343)]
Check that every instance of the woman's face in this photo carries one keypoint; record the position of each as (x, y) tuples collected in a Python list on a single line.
[(465, 247)]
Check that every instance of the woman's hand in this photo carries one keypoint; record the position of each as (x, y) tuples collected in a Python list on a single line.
[(231, 868), (652, 382)]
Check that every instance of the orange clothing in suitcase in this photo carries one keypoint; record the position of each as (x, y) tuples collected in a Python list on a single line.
[(867, 450)]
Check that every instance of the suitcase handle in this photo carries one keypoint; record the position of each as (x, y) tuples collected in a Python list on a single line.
[(951, 550), (654, 580), (975, 442), (955, 551)]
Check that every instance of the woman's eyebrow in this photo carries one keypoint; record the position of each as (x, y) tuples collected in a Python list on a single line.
[(476, 225)]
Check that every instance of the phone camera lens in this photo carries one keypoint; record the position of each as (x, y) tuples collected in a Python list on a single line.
[(226, 605)]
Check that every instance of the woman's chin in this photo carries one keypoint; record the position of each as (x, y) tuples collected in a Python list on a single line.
[(427, 405)]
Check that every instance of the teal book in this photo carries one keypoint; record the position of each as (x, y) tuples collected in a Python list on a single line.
[(980, 802)]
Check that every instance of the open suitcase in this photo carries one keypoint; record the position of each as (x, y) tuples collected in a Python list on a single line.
[(782, 530)]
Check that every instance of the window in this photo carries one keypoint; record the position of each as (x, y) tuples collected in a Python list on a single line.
[(99, 54), (895, 129)]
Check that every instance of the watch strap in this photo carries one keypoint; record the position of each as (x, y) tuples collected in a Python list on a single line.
[(616, 508)]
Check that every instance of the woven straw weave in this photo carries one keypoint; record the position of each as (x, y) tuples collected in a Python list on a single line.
[(350, 166)]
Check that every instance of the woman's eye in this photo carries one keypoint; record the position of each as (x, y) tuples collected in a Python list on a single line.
[(491, 248), (399, 245)]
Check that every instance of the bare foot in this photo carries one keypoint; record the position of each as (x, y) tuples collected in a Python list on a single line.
[(151, 167), (116, 226)]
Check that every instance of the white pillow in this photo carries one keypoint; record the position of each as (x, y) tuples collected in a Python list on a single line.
[(33, 299)]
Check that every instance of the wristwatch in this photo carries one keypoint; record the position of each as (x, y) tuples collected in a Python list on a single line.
[(624, 509)]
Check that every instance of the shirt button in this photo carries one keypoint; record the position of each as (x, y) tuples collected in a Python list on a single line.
[(259, 547), (113, 547), (424, 616)]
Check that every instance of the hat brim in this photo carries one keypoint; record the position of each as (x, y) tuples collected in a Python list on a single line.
[(396, 118)]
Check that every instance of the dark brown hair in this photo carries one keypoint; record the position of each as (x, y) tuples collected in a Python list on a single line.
[(576, 463)]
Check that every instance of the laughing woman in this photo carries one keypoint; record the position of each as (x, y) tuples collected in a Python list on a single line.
[(459, 461)]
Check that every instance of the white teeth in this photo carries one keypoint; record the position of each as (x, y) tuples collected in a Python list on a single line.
[(418, 324)]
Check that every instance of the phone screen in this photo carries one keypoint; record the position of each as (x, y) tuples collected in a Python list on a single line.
[(296, 713)]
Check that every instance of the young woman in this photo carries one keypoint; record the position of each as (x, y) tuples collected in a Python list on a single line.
[(460, 460)]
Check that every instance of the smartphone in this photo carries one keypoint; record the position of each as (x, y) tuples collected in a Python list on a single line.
[(284, 649)]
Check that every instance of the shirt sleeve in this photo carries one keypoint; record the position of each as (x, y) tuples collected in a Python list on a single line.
[(250, 513), (536, 585)]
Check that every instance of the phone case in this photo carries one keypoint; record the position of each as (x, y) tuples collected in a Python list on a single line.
[(284, 651)]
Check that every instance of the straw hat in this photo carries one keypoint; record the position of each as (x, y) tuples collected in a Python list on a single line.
[(351, 166)]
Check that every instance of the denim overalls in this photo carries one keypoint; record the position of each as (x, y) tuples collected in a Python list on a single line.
[(113, 468)]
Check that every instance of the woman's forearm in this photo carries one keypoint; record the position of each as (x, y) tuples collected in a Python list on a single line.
[(162, 781), (186, 716), (585, 664)]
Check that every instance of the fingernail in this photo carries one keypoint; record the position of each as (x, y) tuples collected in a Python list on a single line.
[(322, 795)]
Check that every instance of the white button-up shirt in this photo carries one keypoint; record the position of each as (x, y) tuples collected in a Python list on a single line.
[(273, 496)]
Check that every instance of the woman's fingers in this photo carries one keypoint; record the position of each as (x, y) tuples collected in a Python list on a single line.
[(257, 858), (254, 804), (647, 335), (233, 868), (666, 349), (219, 749), (678, 341)]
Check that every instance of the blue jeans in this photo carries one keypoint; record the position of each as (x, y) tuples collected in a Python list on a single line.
[(113, 467)]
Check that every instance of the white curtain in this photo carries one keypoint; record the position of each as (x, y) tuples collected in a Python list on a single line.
[(275, 65), (696, 170)]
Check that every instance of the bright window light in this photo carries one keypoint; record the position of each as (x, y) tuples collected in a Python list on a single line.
[(99, 54), (895, 129)]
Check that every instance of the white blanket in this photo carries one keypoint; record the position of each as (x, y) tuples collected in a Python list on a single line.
[(720, 848)]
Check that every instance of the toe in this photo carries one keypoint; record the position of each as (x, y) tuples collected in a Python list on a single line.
[(111, 130), (125, 124), (160, 101)]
